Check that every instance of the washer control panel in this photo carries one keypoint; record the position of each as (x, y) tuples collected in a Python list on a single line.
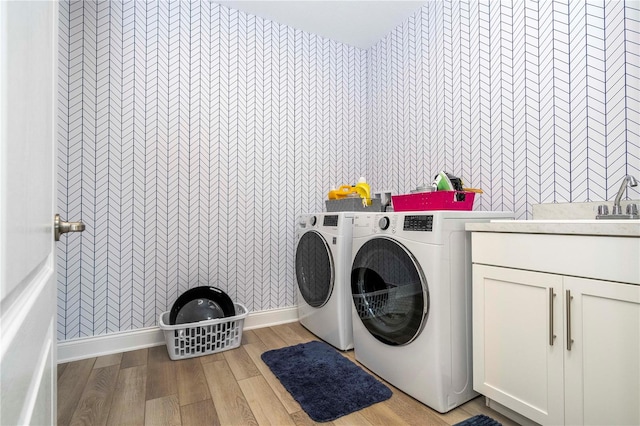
[(418, 223)]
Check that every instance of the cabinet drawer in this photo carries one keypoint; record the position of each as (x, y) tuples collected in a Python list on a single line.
[(606, 258)]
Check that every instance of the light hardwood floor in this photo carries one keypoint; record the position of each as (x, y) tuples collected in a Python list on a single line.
[(234, 387)]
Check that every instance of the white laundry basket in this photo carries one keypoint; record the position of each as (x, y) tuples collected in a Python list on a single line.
[(203, 337)]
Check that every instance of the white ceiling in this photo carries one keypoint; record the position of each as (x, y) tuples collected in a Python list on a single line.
[(357, 23)]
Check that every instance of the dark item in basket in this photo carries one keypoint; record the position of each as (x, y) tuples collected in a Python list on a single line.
[(444, 181), (200, 304)]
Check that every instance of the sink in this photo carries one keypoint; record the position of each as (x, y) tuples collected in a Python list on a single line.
[(579, 210)]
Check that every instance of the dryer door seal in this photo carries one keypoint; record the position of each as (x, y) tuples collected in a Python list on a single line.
[(389, 291), (314, 269)]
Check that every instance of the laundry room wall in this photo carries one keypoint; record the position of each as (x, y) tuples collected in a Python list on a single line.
[(534, 102), (190, 137)]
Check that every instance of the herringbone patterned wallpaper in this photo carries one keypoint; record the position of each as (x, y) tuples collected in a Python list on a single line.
[(191, 135), (534, 102)]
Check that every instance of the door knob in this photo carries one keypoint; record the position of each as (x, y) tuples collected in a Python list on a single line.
[(61, 227)]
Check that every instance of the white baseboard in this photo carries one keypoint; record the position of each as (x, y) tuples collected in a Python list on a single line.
[(124, 341), (271, 317)]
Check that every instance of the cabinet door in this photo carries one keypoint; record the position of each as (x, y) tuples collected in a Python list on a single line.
[(514, 361), (602, 368)]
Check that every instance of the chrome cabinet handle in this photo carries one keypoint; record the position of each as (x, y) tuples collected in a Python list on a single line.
[(61, 227), (551, 335), (568, 302)]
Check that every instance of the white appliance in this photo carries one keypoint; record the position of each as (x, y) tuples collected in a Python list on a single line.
[(323, 267), (411, 289)]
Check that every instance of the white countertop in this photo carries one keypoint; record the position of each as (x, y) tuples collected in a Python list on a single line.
[(621, 228)]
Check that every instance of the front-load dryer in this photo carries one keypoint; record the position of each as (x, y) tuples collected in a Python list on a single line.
[(323, 267), (411, 289)]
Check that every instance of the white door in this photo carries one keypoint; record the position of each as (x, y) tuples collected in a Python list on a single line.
[(28, 49), (517, 362), (602, 369)]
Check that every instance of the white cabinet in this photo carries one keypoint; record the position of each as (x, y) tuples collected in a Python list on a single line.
[(555, 348), (513, 362), (602, 369)]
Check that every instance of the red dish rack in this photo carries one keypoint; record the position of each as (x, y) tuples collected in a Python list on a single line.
[(437, 200)]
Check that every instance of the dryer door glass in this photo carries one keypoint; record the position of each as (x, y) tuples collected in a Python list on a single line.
[(389, 291), (314, 269)]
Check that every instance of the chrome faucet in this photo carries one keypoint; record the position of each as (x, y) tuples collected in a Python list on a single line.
[(628, 180), (632, 209)]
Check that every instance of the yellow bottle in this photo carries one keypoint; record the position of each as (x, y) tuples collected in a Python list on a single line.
[(362, 183), (364, 189)]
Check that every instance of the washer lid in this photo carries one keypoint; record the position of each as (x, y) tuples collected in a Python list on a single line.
[(389, 291), (314, 269)]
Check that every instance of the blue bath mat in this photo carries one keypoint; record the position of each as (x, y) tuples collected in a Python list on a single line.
[(326, 384), (479, 420)]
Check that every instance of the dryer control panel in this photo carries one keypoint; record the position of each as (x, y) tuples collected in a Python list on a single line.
[(418, 223), (330, 220)]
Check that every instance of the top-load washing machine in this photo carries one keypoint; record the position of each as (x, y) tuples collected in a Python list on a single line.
[(411, 289), (323, 267)]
